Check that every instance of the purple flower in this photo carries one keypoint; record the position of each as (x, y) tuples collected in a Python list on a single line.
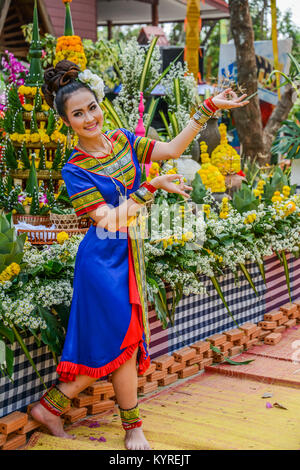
[(102, 439), (21, 198), (91, 438), (43, 199), (94, 424), (13, 69), (269, 405)]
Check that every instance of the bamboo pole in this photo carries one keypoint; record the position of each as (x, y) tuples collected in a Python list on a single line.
[(275, 44)]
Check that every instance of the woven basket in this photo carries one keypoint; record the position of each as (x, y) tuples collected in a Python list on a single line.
[(48, 237), (64, 221), (32, 219)]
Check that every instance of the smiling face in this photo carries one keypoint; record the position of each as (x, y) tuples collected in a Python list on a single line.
[(83, 114)]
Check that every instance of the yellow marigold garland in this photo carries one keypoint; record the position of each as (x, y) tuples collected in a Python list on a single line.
[(224, 156), (70, 48), (210, 175), (10, 271)]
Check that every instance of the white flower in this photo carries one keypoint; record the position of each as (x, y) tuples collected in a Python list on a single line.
[(94, 82)]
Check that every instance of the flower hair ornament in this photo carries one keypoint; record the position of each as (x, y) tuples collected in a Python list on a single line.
[(94, 82)]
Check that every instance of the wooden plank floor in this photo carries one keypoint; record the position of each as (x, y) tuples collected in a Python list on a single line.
[(220, 409)]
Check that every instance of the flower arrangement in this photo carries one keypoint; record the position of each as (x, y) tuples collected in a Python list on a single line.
[(14, 71), (182, 97), (224, 156), (70, 48), (28, 91), (210, 174), (184, 248), (140, 70), (232, 233), (35, 295), (38, 137), (10, 271)]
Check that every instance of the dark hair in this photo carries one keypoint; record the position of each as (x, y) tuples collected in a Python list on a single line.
[(60, 82)]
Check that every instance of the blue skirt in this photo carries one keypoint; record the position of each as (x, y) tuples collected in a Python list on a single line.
[(105, 324)]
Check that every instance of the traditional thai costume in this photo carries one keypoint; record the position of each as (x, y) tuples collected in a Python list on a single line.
[(108, 316)]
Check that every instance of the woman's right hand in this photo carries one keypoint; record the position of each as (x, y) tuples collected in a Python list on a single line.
[(166, 182)]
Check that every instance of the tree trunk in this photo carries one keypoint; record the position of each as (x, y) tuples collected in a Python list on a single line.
[(279, 114), (247, 119)]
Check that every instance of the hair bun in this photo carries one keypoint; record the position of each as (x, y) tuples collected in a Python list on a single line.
[(56, 77)]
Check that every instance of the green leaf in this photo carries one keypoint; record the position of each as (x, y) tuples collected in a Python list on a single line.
[(53, 267), (24, 157), (32, 181), (112, 113), (9, 358), (14, 103), (10, 156), (174, 123), (63, 313), (8, 122), (244, 200), (37, 339), (262, 271), (2, 352), (199, 191), (51, 123), (165, 72), (165, 122), (286, 272), (231, 361), (151, 112), (177, 93), (248, 277), (218, 289), (33, 123), (146, 66), (27, 353), (38, 101), (56, 164), (7, 332), (19, 123), (160, 301), (53, 335)]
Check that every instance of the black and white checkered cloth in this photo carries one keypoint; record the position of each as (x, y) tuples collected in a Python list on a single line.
[(26, 386), (196, 318)]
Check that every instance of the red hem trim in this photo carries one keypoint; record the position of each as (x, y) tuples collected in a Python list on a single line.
[(69, 370)]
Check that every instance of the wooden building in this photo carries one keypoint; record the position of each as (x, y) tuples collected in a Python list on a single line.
[(87, 15)]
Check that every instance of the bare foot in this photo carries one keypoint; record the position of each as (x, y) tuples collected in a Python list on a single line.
[(52, 422), (135, 440)]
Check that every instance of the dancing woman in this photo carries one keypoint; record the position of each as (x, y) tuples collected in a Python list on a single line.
[(108, 331)]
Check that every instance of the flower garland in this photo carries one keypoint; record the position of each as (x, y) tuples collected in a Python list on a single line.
[(38, 137), (70, 48), (224, 156), (29, 91), (10, 271), (210, 175)]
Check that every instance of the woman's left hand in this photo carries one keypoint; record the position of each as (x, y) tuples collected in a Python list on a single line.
[(228, 99)]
